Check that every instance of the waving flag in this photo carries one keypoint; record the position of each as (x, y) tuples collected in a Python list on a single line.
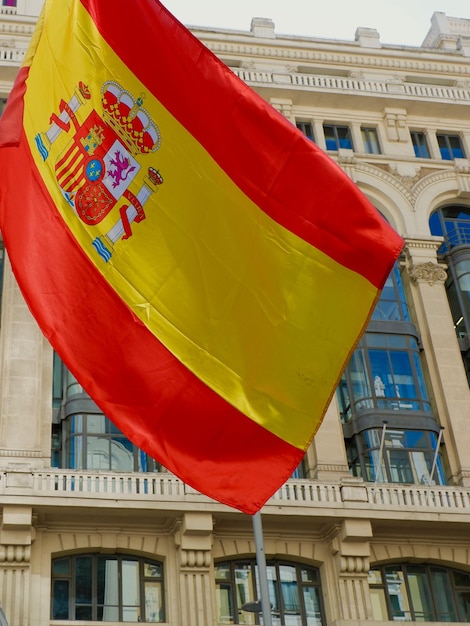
[(202, 268)]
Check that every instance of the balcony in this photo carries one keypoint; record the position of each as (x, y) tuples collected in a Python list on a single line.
[(355, 86), (348, 496)]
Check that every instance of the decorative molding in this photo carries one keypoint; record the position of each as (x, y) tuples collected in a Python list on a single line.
[(196, 558), (433, 243), (354, 565), (429, 272), (14, 555), (359, 58)]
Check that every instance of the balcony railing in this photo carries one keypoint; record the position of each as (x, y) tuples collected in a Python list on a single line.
[(67, 486), (356, 86)]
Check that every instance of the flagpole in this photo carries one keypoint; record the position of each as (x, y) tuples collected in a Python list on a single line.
[(262, 570)]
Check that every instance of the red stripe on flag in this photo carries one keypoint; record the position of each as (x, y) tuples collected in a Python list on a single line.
[(284, 173), (156, 401)]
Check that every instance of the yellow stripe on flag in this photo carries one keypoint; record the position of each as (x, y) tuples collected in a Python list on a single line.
[(216, 304)]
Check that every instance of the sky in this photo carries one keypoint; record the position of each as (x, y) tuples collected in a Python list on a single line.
[(401, 22)]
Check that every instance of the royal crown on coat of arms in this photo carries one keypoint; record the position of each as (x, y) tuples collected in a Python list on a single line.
[(100, 168), (131, 122)]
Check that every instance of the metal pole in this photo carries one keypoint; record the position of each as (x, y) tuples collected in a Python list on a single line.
[(381, 453), (262, 570), (436, 454)]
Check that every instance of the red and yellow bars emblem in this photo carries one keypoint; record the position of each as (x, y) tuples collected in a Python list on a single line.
[(202, 268)]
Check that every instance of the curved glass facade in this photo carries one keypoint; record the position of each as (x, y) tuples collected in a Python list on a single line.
[(384, 383), (84, 438)]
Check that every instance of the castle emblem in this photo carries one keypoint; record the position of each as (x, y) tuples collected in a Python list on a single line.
[(100, 169)]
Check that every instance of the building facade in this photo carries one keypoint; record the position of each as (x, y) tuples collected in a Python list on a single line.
[(373, 527)]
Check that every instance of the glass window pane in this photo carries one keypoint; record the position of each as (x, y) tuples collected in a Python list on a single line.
[(463, 601), (311, 597), (130, 583), (244, 584), (289, 589), (153, 602), (397, 594), (344, 137), (98, 454), (442, 592), (420, 594), (330, 138), (61, 566), (224, 604), (83, 613), (107, 590), (83, 580), (309, 575), (60, 599), (152, 570)]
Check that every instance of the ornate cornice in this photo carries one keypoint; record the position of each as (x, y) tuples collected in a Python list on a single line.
[(301, 51)]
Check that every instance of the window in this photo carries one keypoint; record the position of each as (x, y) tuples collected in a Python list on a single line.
[(107, 588), (84, 438), (370, 140), (392, 306), (419, 593), (450, 147), (408, 456), (337, 137), (383, 374), (306, 128), (420, 144), (294, 593)]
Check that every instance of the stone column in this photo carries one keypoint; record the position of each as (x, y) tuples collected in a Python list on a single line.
[(25, 384), (326, 457), (442, 352), (16, 536), (193, 538), (351, 550)]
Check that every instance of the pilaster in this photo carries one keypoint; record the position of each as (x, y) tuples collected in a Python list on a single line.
[(351, 551), (16, 537), (193, 539)]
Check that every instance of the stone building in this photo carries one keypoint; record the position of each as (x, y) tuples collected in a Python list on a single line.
[(373, 526)]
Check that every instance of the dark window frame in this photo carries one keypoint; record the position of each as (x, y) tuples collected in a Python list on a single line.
[(307, 577), (306, 128), (436, 614), (68, 578), (420, 144), (450, 146), (370, 140), (338, 136)]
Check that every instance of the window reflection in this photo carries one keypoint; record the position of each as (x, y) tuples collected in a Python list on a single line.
[(107, 588), (294, 593), (409, 456), (424, 593)]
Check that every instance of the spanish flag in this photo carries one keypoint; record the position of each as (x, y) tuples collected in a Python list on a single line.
[(201, 267)]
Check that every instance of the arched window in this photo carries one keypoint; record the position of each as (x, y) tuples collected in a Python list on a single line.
[(107, 588), (294, 593), (419, 593)]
